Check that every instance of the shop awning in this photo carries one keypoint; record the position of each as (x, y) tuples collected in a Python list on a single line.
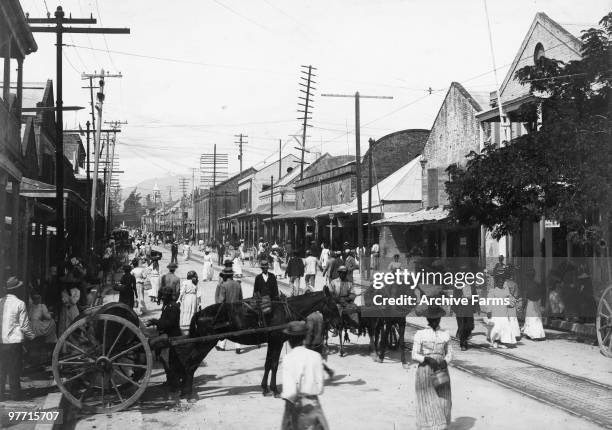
[(36, 189), (241, 212), (422, 216), (311, 213), (279, 208)]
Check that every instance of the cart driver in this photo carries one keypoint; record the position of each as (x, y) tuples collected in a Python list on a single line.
[(169, 324), (342, 290)]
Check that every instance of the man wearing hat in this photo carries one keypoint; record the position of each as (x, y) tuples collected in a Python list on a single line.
[(127, 287), (302, 383), (295, 271), (170, 280), (464, 312), (351, 264), (169, 324), (228, 291), (174, 253), (15, 327), (310, 270), (342, 289), (265, 283)]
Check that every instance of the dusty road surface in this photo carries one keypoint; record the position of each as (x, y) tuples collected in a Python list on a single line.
[(362, 395)]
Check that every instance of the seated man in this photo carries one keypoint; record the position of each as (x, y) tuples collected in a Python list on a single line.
[(342, 290)]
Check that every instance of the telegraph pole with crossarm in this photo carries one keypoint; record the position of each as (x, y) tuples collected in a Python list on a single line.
[(59, 29), (357, 96)]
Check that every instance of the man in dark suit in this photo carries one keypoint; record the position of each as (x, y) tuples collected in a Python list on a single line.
[(464, 312), (265, 283)]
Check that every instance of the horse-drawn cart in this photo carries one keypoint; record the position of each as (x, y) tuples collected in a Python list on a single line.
[(102, 363)]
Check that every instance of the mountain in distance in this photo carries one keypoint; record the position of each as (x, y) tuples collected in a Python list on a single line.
[(168, 185)]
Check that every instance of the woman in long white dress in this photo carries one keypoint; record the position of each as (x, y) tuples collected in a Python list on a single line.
[(533, 327), (207, 272), (324, 256), (501, 333), (276, 267), (189, 299), (237, 266), (154, 279)]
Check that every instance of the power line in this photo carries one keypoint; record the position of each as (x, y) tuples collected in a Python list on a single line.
[(246, 18)]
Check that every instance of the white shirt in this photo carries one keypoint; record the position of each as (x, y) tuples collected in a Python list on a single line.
[(429, 342), (310, 265), (302, 373), (14, 320), (264, 276)]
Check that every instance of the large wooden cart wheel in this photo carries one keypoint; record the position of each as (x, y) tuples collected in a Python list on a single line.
[(604, 323), (102, 363)]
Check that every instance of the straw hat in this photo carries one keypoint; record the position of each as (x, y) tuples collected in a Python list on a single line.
[(13, 283)]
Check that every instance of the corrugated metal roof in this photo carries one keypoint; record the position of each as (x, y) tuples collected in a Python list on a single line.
[(422, 216)]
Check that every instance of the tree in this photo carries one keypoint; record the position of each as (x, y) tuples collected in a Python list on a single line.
[(562, 171), (133, 209)]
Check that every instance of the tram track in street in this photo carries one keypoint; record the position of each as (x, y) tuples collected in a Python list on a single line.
[(576, 395)]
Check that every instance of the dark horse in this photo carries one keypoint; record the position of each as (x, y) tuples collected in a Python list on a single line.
[(378, 325), (379, 321), (230, 317)]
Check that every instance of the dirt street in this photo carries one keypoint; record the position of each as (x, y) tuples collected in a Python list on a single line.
[(363, 394)]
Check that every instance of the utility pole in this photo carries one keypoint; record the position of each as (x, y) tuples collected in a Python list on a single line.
[(307, 107), (59, 29), (213, 167), (280, 158), (241, 141), (357, 96), (97, 135), (115, 126), (212, 191), (370, 160), (88, 131), (271, 207)]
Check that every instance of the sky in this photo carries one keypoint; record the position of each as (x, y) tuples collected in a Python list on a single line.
[(198, 72)]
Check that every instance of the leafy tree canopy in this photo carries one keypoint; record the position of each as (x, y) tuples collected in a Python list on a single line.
[(562, 171)]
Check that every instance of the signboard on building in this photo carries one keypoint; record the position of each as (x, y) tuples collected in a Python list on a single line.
[(550, 223)]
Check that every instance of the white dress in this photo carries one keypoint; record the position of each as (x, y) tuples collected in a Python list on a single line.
[(237, 267), (207, 274), (155, 279), (533, 321), (512, 315), (501, 331), (324, 257), (276, 267), (188, 299)]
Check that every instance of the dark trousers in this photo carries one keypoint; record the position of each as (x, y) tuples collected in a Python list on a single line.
[(174, 258), (465, 325), (11, 361), (172, 365)]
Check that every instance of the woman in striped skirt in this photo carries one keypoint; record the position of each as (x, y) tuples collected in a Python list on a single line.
[(432, 350)]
